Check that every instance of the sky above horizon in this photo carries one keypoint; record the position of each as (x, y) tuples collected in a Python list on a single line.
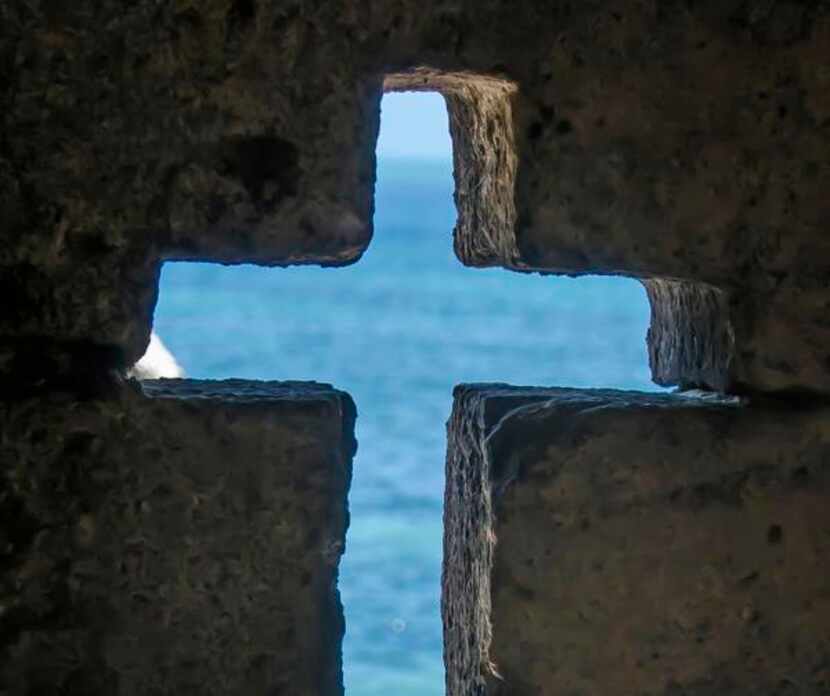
[(414, 124)]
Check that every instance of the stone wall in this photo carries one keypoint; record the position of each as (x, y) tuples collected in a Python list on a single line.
[(617, 543), (670, 141), (184, 540), (682, 143)]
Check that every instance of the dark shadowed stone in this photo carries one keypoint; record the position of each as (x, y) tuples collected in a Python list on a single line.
[(602, 542), (588, 139), (184, 540), (691, 340)]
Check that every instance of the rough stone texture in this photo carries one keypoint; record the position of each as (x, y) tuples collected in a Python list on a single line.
[(224, 130), (180, 542), (480, 111), (682, 143), (617, 543), (702, 336), (691, 340), (481, 124), (674, 141)]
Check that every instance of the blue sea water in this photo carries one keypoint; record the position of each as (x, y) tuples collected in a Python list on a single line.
[(397, 330)]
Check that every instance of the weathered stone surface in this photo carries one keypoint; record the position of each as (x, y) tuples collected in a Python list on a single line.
[(185, 541), (685, 144), (227, 130), (678, 142), (691, 339), (480, 110), (730, 341), (618, 543)]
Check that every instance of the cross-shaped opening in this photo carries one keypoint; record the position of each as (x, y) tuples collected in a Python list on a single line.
[(398, 330)]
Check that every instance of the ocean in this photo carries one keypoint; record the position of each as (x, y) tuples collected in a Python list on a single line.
[(397, 330)]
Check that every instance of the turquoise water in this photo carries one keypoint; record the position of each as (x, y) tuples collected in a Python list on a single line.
[(397, 331)]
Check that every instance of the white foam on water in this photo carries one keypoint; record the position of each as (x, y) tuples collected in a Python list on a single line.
[(158, 362)]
